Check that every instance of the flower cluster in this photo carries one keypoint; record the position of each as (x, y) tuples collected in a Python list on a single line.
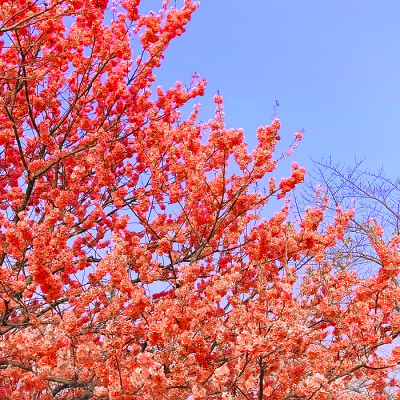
[(134, 259)]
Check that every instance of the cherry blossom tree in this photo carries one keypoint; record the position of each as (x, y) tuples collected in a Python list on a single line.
[(135, 259)]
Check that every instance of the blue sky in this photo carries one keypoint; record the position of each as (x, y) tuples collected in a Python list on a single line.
[(334, 67)]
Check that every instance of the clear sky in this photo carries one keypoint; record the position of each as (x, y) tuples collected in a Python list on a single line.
[(334, 67)]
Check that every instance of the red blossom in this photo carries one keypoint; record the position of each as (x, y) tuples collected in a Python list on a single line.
[(138, 260)]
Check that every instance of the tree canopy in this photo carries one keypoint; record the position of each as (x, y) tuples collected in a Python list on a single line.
[(136, 262)]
